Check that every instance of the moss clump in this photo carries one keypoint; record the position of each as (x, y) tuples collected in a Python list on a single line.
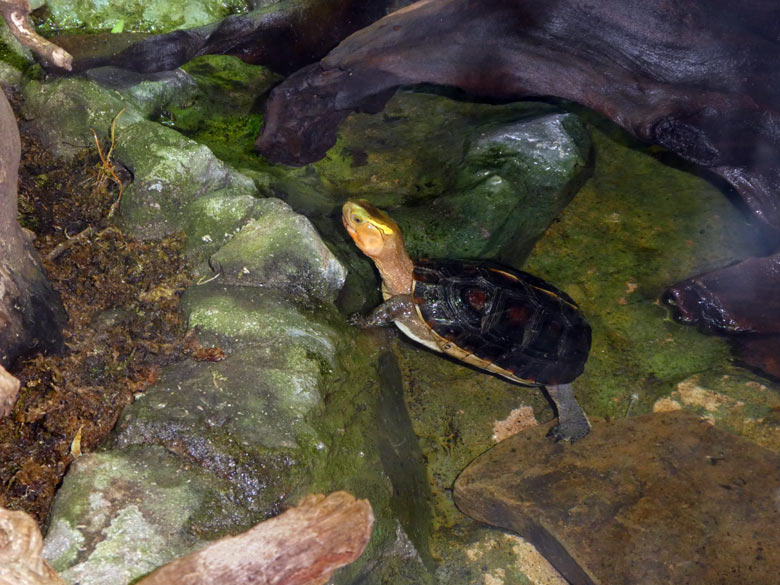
[(121, 297)]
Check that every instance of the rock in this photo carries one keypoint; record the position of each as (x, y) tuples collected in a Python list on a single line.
[(21, 543), (302, 546), (227, 83), (246, 418), (460, 179), (61, 113), (281, 250), (150, 16), (733, 399), (664, 498), (151, 93), (122, 513), (171, 172), (515, 178), (239, 316)]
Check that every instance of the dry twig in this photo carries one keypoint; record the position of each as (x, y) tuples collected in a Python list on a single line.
[(107, 167)]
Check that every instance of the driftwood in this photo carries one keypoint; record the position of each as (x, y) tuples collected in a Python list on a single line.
[(743, 301), (302, 546), (696, 76), (16, 14), (31, 314), (21, 562), (699, 77), (9, 390)]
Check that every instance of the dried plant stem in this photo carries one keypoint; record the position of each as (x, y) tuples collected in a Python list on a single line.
[(108, 166)]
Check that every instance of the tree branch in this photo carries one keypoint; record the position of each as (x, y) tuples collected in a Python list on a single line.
[(16, 14)]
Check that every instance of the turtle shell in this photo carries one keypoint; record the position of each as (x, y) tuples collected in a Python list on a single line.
[(503, 320)]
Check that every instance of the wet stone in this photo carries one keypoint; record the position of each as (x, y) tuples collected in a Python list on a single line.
[(665, 498), (281, 250), (120, 514)]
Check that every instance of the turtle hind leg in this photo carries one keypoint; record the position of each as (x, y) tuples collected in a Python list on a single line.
[(572, 422)]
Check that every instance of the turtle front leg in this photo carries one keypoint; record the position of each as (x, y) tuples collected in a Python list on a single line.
[(397, 308), (572, 422)]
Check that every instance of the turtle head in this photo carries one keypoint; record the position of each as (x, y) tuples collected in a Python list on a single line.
[(379, 238), (372, 229)]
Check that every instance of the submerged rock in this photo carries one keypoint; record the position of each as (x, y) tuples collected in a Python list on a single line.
[(663, 498)]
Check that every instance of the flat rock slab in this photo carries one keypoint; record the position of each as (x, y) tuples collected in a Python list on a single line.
[(664, 498)]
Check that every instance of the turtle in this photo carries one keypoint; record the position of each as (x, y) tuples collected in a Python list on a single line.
[(498, 319)]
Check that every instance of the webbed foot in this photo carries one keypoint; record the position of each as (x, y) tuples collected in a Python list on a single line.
[(572, 422)]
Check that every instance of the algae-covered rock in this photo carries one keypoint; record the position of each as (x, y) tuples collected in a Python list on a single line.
[(120, 514), (226, 84), (170, 172), (135, 15), (150, 93), (515, 178), (62, 112), (281, 250), (239, 314), (224, 112), (461, 179)]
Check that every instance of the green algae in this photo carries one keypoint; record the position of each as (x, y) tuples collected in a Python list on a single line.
[(224, 115), (372, 454), (151, 16)]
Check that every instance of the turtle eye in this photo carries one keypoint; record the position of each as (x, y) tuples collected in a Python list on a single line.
[(356, 219)]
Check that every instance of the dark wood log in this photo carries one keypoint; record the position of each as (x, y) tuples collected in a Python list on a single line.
[(302, 546), (742, 298), (31, 313), (742, 301)]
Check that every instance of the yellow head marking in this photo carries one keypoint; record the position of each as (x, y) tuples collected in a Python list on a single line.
[(372, 229), (362, 212)]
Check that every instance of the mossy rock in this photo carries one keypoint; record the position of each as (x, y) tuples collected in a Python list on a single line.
[(152, 16)]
